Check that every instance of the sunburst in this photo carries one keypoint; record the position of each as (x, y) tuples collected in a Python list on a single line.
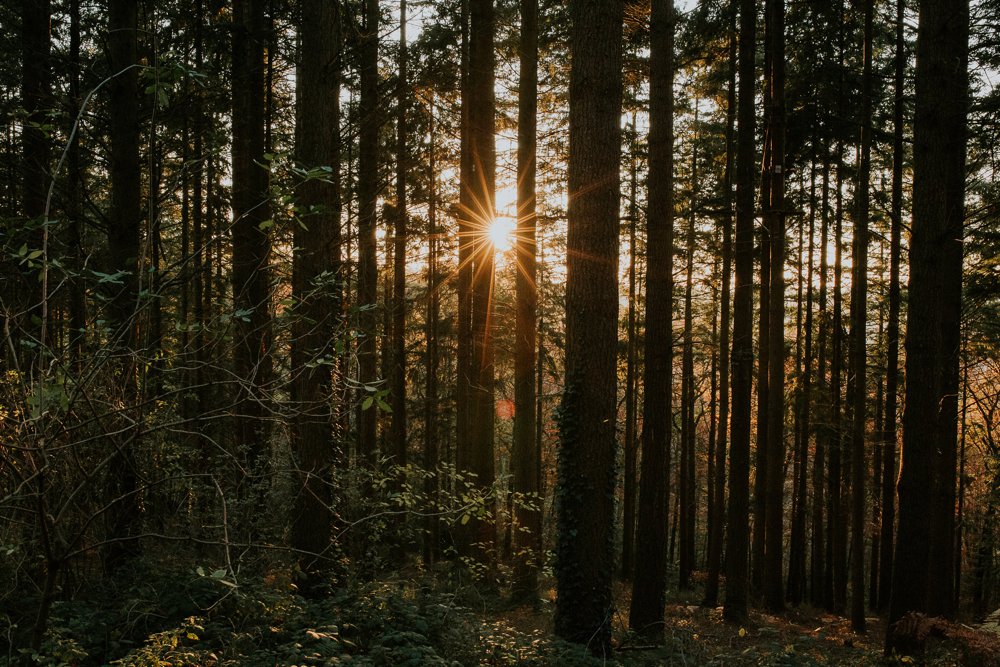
[(501, 233)]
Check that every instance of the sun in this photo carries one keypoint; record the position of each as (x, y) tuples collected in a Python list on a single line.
[(501, 233)]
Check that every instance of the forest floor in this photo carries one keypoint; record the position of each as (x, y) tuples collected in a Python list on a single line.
[(177, 617), (698, 635)]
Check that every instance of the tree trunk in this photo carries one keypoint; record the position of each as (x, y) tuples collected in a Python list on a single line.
[(397, 383), (821, 591), (758, 548), (368, 190), (315, 283), (123, 250), (889, 437), (432, 483), (687, 482), (797, 547), (251, 241), (859, 322), (528, 552), (466, 211), (74, 204), (925, 541), (737, 513), (587, 452), (481, 190), (774, 597), (649, 583), (716, 529), (35, 147), (631, 445)]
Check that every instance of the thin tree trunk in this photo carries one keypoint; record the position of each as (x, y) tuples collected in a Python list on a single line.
[(251, 243), (466, 244), (889, 467), (368, 191), (774, 597), (398, 302), (716, 529), (631, 445), (431, 411), (124, 251), (761, 469), (74, 206), (737, 513), (482, 153), (797, 548), (822, 584), (525, 460), (649, 583), (687, 482), (859, 321), (713, 407), (838, 533), (960, 520), (35, 153)]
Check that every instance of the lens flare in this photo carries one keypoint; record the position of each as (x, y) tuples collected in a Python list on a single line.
[(501, 233)]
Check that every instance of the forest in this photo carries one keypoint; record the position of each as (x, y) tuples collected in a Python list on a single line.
[(499, 332)]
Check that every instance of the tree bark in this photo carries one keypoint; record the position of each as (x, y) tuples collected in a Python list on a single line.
[(687, 482), (737, 513), (716, 529), (251, 241), (889, 434), (587, 451), (433, 483), (859, 322), (482, 156), (774, 597), (368, 190), (631, 444), (821, 590), (123, 250), (797, 573), (925, 542), (316, 284), (398, 303), (528, 552), (35, 154)]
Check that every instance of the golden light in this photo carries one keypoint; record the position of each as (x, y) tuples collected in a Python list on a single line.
[(501, 233)]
